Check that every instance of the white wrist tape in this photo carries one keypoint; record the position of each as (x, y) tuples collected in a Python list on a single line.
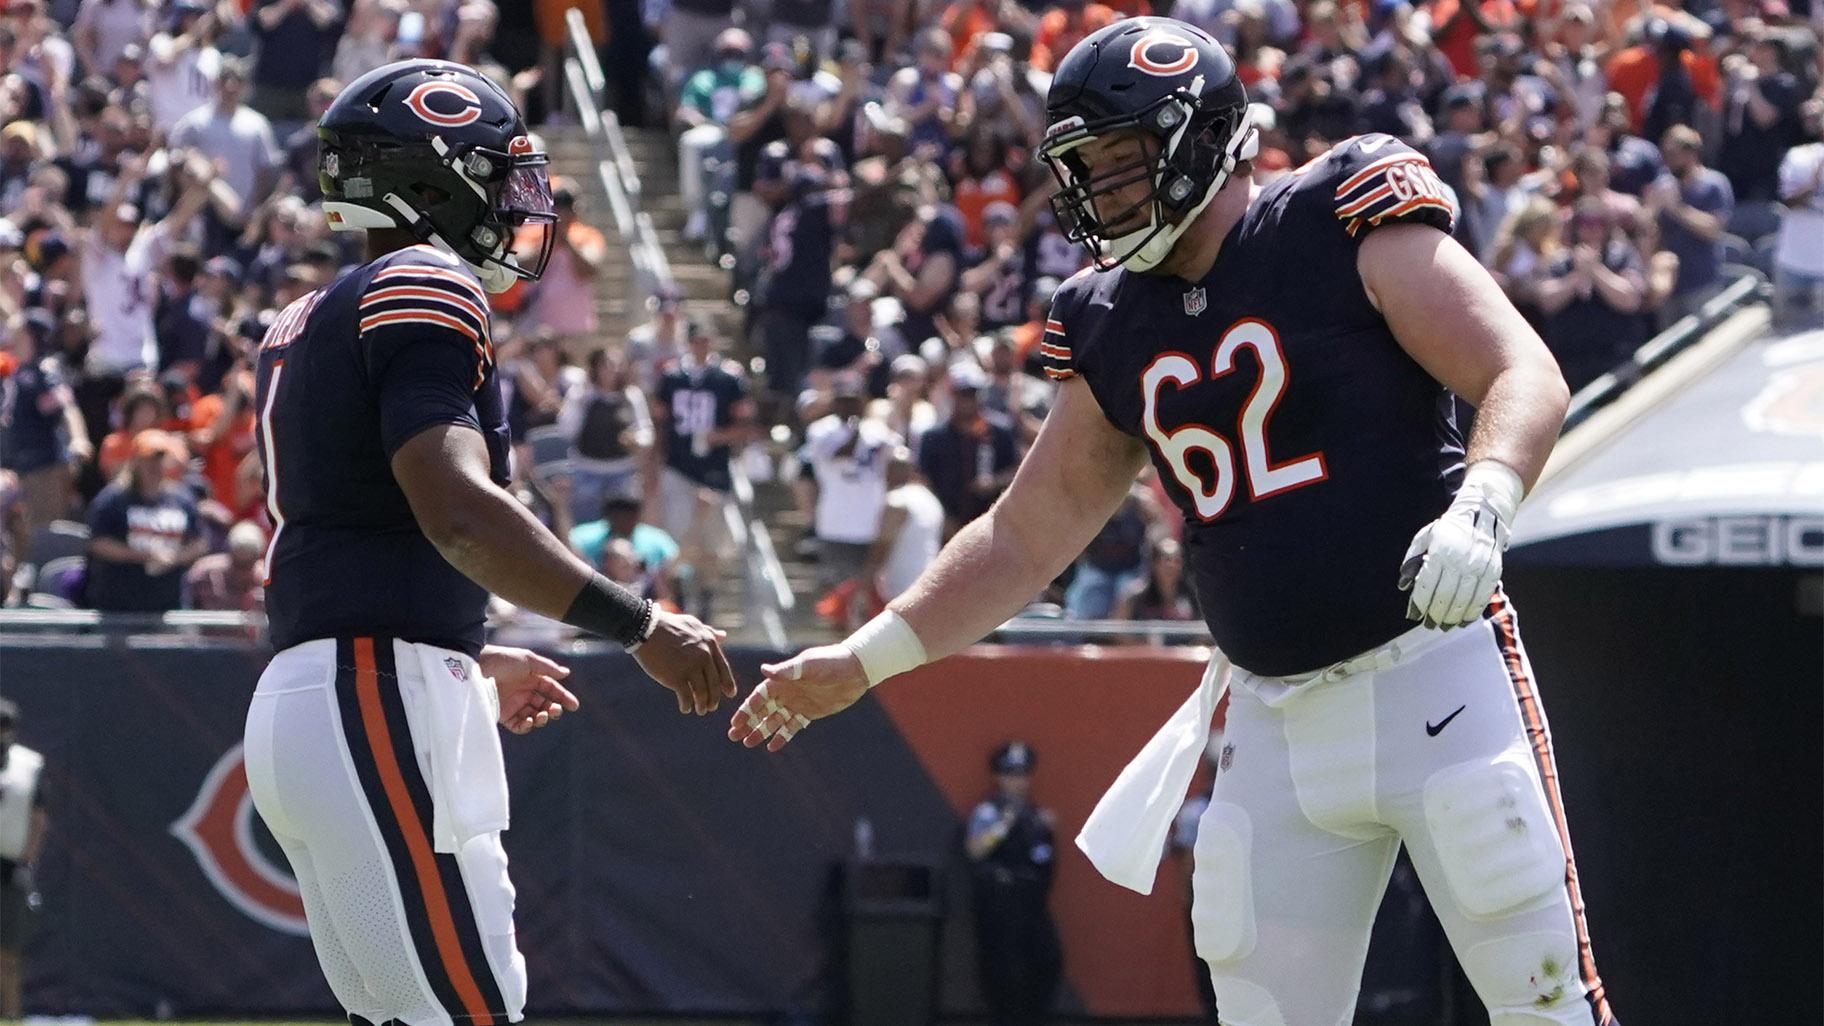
[(1496, 484), (886, 645)]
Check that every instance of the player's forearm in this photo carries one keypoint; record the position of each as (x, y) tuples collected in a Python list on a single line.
[(989, 571), (1519, 418), (496, 542)]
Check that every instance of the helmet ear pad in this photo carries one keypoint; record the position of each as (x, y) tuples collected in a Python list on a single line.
[(1190, 171)]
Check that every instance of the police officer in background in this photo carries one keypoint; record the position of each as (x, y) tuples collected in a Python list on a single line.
[(22, 826), (1010, 853)]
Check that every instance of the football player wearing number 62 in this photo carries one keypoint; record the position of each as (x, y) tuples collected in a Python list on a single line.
[(1285, 355)]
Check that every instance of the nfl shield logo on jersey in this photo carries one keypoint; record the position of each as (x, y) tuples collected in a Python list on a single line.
[(457, 670), (1195, 301)]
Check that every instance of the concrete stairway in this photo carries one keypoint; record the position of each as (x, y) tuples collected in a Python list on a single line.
[(705, 288)]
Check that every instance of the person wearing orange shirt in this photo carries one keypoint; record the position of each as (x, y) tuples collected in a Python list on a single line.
[(981, 180), (967, 21), (223, 435), (1457, 24), (1636, 73), (141, 408), (1064, 26)]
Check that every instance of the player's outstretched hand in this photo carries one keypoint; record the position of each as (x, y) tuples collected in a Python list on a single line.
[(685, 655), (530, 693), (815, 683)]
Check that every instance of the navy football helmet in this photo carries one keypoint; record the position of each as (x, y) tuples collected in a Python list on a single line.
[(437, 149), (1171, 82)]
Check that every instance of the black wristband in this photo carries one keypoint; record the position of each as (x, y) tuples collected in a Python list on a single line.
[(604, 607)]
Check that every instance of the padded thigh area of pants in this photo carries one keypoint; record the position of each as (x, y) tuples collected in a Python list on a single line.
[(1494, 836), (1222, 914)]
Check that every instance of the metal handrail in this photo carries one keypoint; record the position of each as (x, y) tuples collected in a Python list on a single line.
[(769, 597)]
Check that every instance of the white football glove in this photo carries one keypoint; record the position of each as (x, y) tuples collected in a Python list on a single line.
[(1454, 563)]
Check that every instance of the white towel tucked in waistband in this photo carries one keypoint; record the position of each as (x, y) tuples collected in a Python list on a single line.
[(468, 774), (1125, 835)]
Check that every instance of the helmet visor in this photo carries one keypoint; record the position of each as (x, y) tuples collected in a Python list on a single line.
[(526, 194)]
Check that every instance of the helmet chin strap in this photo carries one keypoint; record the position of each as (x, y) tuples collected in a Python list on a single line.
[(1148, 247), (494, 277)]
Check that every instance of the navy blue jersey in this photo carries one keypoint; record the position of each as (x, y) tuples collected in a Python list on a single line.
[(692, 402), (347, 375), (798, 247), (1303, 445)]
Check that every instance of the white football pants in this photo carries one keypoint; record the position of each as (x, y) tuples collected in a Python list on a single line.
[(337, 766), (1437, 740)]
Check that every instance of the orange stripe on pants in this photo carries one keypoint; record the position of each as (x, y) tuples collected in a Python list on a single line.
[(424, 861), (1548, 775)]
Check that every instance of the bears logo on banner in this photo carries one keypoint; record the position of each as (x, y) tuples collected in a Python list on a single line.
[(218, 830)]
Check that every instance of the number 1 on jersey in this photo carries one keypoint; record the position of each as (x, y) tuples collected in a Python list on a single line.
[(1264, 476), (272, 468)]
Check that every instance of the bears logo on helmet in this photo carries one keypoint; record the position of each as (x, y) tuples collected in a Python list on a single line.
[(437, 150), (418, 101), (1151, 77), (1140, 57)]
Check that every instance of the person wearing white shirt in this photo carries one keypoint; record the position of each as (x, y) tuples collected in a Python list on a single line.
[(105, 28), (1798, 253), (847, 454), (911, 529), (182, 64), (237, 139), (118, 258)]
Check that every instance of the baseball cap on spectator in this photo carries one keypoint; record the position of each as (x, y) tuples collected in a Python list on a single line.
[(967, 377), (232, 67), (21, 130), (733, 44), (1001, 212), (1013, 758), (223, 267), (906, 365), (1466, 94), (563, 192)]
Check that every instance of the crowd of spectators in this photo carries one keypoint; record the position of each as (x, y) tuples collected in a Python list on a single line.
[(889, 225), (866, 169)]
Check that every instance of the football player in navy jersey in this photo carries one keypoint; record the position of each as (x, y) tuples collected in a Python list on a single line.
[(371, 747), (1286, 356)]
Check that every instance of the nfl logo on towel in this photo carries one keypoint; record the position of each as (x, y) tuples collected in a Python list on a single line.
[(457, 670), (1195, 301)]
